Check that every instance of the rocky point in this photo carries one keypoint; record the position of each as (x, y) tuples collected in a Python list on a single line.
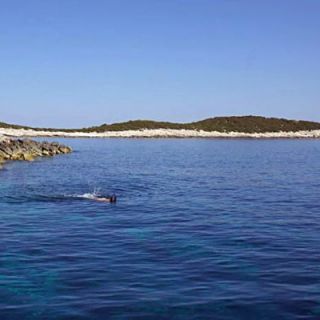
[(26, 149)]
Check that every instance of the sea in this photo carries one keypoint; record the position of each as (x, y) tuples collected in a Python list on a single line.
[(202, 229)]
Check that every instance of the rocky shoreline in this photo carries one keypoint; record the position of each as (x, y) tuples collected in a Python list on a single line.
[(28, 150), (163, 133)]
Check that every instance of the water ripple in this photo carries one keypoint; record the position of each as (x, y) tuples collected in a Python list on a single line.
[(202, 230)]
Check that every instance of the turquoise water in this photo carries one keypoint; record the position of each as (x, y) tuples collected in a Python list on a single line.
[(203, 229)]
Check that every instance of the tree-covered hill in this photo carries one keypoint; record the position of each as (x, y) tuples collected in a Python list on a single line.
[(247, 124)]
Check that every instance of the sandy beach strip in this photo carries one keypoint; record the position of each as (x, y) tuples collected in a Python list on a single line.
[(158, 133)]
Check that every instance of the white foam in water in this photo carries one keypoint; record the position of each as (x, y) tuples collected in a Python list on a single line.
[(96, 193), (87, 196)]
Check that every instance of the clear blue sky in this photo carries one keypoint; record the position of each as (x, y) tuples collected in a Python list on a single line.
[(74, 63)]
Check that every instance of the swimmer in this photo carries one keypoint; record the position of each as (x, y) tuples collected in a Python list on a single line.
[(111, 199)]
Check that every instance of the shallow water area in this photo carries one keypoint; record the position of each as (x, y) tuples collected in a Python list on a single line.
[(203, 229)]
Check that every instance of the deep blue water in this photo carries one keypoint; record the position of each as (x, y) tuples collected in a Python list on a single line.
[(203, 229)]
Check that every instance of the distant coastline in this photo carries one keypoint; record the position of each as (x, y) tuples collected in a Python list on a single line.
[(219, 127), (161, 133)]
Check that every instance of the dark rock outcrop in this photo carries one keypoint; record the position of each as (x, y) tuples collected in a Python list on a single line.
[(26, 149)]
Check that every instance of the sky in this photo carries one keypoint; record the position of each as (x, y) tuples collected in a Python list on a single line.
[(78, 63)]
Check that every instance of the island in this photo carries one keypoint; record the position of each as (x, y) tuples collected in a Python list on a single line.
[(218, 127)]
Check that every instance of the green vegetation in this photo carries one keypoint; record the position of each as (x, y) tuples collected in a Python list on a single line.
[(5, 125), (247, 124), (252, 124)]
